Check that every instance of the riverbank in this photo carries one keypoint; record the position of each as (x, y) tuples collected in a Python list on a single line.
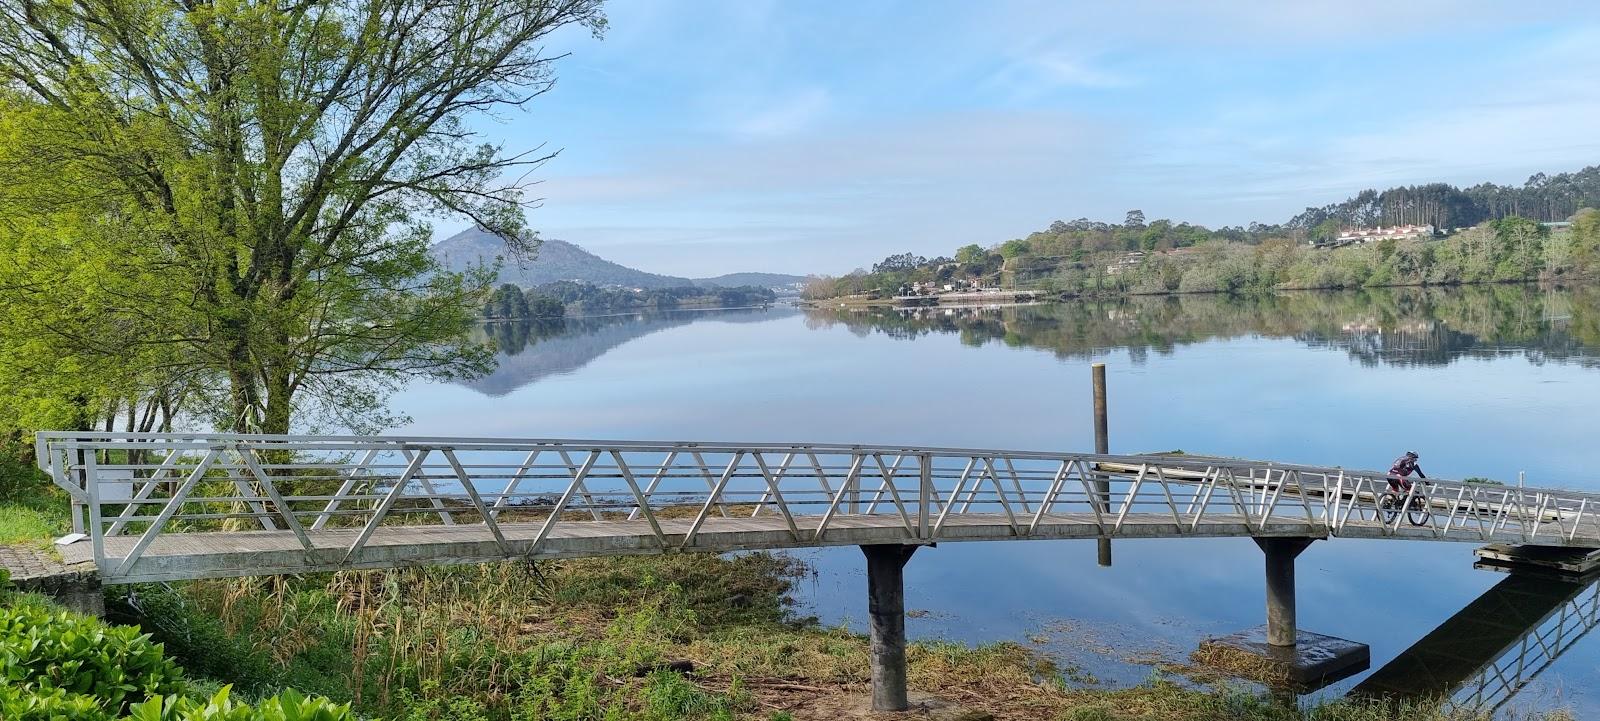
[(1111, 294), (651, 639)]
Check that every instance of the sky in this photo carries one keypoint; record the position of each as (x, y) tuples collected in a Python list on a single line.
[(700, 137)]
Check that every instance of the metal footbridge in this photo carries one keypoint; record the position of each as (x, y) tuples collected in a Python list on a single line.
[(154, 507)]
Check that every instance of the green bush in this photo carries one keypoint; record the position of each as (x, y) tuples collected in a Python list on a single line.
[(53, 704), (42, 651), (286, 706)]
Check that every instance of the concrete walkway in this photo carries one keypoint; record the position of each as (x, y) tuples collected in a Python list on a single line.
[(40, 570)]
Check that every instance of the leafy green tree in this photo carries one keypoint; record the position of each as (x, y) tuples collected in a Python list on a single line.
[(544, 306), (901, 263), (1585, 240), (970, 254), (1521, 241), (250, 180), (1015, 248)]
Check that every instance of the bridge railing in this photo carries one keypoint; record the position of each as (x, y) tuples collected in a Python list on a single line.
[(128, 490)]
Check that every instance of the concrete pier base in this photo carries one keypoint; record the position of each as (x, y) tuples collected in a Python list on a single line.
[(886, 619), (1312, 662), (1279, 653)]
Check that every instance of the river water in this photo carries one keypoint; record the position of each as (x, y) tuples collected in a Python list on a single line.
[(1482, 382)]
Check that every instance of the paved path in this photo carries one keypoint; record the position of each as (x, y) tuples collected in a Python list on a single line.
[(30, 564)]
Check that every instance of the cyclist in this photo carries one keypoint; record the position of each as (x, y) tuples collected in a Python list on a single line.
[(1399, 473)]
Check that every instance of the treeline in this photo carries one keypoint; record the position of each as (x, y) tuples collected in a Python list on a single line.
[(1062, 245), (553, 300), (1545, 198), (511, 302), (1504, 250), (1510, 249), (1387, 326)]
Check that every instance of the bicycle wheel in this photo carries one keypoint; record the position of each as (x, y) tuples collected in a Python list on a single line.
[(1417, 512), (1388, 507)]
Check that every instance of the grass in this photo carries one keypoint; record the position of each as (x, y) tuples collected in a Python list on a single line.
[(32, 511), (594, 639), (23, 524)]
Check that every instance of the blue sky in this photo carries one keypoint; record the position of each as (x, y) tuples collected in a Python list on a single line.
[(722, 135)]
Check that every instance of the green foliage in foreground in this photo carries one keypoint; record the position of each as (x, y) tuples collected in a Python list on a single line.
[(45, 651), (58, 705), (60, 666)]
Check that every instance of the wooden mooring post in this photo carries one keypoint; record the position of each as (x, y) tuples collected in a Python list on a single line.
[(1102, 445)]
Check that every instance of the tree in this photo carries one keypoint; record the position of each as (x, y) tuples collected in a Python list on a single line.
[(1014, 248), (273, 164), (1521, 241), (1135, 219), (1586, 240), (970, 254), (543, 306), (902, 263)]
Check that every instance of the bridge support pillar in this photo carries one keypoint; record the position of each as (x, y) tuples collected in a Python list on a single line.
[(1280, 553), (1279, 653), (886, 618)]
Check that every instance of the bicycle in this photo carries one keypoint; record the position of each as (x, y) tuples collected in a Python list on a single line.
[(1392, 503)]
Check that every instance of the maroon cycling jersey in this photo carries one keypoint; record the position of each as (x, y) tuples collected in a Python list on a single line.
[(1404, 466)]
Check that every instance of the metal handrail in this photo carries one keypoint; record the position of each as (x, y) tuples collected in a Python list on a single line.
[(130, 490)]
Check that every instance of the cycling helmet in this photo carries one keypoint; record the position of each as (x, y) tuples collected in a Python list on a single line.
[(1412, 455)]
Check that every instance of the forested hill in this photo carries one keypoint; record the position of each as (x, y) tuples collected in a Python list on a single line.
[(556, 260), (1546, 198), (759, 280), (559, 260)]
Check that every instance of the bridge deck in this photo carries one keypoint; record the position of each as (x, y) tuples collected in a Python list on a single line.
[(224, 554), (153, 505)]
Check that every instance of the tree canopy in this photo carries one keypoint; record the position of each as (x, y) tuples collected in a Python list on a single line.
[(234, 196)]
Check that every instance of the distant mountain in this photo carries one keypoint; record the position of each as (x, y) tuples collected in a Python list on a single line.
[(760, 280), (556, 260)]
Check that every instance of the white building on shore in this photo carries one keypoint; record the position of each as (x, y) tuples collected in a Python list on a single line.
[(1358, 236)]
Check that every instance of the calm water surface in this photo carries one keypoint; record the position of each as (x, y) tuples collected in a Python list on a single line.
[(1481, 382)]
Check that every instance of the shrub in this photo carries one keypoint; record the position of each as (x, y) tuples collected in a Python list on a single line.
[(53, 704), (42, 652), (286, 706)]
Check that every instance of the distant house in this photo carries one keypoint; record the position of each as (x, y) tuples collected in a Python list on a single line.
[(1359, 236), (1128, 260)]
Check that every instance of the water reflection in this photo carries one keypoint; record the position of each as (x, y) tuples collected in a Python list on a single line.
[(1491, 649), (529, 351), (1406, 327)]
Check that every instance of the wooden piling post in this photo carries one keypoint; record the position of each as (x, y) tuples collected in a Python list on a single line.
[(1102, 445), (886, 620)]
